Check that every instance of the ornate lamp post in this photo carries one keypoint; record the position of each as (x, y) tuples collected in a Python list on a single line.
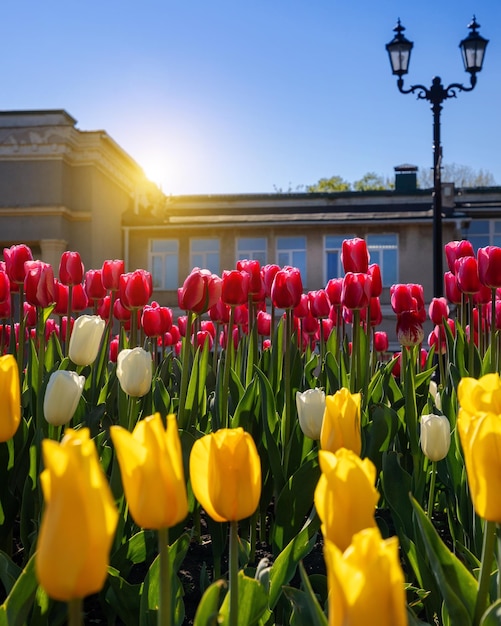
[(473, 50)]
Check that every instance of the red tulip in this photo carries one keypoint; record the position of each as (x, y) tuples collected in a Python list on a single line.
[(310, 325), (438, 309), (4, 287), (381, 343), (263, 323), (29, 314), (466, 271), (200, 291), (71, 268), (287, 288), (334, 289), (354, 256), (327, 326), (103, 308), (402, 299), (207, 325), (268, 273), (15, 258), (320, 304), (235, 287), (120, 313), (303, 308), (454, 250), (62, 292), (356, 292), (483, 295), (110, 274), (114, 345), (409, 328), (253, 268), (5, 310), (156, 320), (376, 314), (489, 266), (220, 312), (437, 337), (135, 289), (202, 337), (452, 292), (39, 284), (374, 272), (79, 300), (94, 287)]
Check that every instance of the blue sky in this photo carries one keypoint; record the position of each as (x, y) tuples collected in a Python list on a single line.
[(220, 96)]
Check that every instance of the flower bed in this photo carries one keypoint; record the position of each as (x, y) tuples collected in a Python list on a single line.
[(262, 459)]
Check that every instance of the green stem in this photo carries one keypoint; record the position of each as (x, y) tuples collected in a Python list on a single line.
[(75, 612), (471, 342), (228, 361), (233, 573), (431, 495), (185, 367), (68, 325), (485, 570), (494, 355), (354, 351), (164, 597), (286, 423)]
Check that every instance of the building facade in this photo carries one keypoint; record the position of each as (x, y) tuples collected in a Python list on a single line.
[(66, 189)]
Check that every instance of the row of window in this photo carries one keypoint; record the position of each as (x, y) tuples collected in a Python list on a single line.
[(205, 253)]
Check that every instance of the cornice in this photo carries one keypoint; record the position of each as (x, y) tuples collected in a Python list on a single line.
[(46, 211)]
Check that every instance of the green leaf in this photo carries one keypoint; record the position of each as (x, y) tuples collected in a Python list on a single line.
[(492, 617), (15, 609), (294, 503), (380, 433), (457, 585), (317, 616), (208, 609), (252, 602), (286, 563), (123, 598)]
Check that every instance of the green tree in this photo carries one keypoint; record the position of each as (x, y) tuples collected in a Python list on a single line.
[(372, 182), (334, 183), (460, 175)]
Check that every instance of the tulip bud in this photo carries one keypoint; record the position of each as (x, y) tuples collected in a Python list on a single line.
[(435, 436), (62, 396), (310, 411), (85, 339), (134, 371)]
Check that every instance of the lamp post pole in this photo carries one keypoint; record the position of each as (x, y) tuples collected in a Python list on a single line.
[(473, 50)]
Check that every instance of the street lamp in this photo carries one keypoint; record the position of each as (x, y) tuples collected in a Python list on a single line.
[(473, 50)]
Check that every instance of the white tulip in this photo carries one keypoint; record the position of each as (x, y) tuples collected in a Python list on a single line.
[(135, 371), (62, 396), (435, 394), (310, 410), (435, 436), (85, 339)]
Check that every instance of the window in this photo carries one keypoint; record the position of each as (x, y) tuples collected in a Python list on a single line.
[(292, 251), (333, 247), (205, 254), (164, 263), (383, 250), (483, 233), (252, 248)]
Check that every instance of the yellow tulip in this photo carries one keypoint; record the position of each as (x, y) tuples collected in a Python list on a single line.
[(225, 472), (151, 465), (341, 425), (79, 520), (345, 497), (366, 582), (479, 426), (10, 392)]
